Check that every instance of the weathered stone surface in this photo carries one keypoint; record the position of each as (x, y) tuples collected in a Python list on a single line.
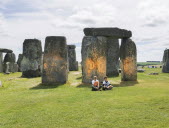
[(77, 66), (93, 58), (55, 61), (5, 50), (1, 62), (128, 56), (72, 58), (7, 67), (31, 61), (15, 67), (113, 55), (165, 68), (9, 57), (20, 57), (108, 32)]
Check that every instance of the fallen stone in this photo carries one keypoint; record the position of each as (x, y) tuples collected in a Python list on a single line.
[(128, 56), (165, 68), (108, 32), (140, 70), (154, 73), (55, 61), (5, 50), (93, 58), (113, 51), (31, 61)]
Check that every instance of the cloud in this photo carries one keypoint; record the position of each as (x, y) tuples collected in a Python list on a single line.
[(154, 13), (147, 19)]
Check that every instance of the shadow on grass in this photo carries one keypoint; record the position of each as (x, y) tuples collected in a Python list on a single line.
[(126, 83), (45, 86), (79, 78), (29, 77), (121, 84), (82, 85)]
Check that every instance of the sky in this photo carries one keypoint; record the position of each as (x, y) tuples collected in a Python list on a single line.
[(27, 19)]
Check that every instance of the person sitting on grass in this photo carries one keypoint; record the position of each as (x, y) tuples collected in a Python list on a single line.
[(95, 84), (106, 84)]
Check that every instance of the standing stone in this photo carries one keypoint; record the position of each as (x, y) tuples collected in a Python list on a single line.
[(15, 67), (93, 58), (77, 66), (166, 61), (72, 58), (19, 62), (31, 61), (10, 57), (6, 68), (112, 57), (55, 61), (1, 62), (128, 56)]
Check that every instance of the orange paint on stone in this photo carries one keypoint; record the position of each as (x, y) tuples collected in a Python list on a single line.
[(128, 66), (101, 64)]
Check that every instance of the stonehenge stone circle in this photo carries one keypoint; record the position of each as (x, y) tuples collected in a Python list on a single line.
[(1, 62), (113, 51), (31, 61), (128, 56), (108, 32), (93, 58), (20, 56), (73, 65), (165, 68), (55, 61), (9, 57)]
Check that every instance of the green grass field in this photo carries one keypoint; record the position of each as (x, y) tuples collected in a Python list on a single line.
[(148, 63), (25, 103)]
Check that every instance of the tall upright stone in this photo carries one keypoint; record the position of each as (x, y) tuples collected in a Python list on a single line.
[(19, 62), (128, 56), (113, 51), (1, 62), (31, 61), (166, 61), (72, 58), (55, 61), (10, 57), (93, 58)]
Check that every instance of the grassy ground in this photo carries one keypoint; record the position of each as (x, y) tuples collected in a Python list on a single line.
[(25, 103), (148, 63)]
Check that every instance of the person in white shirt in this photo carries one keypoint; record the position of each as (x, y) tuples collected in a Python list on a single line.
[(106, 84), (95, 84)]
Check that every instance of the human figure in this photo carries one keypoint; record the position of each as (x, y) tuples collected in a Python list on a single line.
[(106, 84), (95, 84)]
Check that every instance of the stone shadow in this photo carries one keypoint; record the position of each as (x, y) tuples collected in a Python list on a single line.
[(126, 83), (121, 84), (79, 78), (45, 86), (82, 85)]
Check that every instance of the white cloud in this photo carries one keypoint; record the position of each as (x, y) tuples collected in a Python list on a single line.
[(148, 20)]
